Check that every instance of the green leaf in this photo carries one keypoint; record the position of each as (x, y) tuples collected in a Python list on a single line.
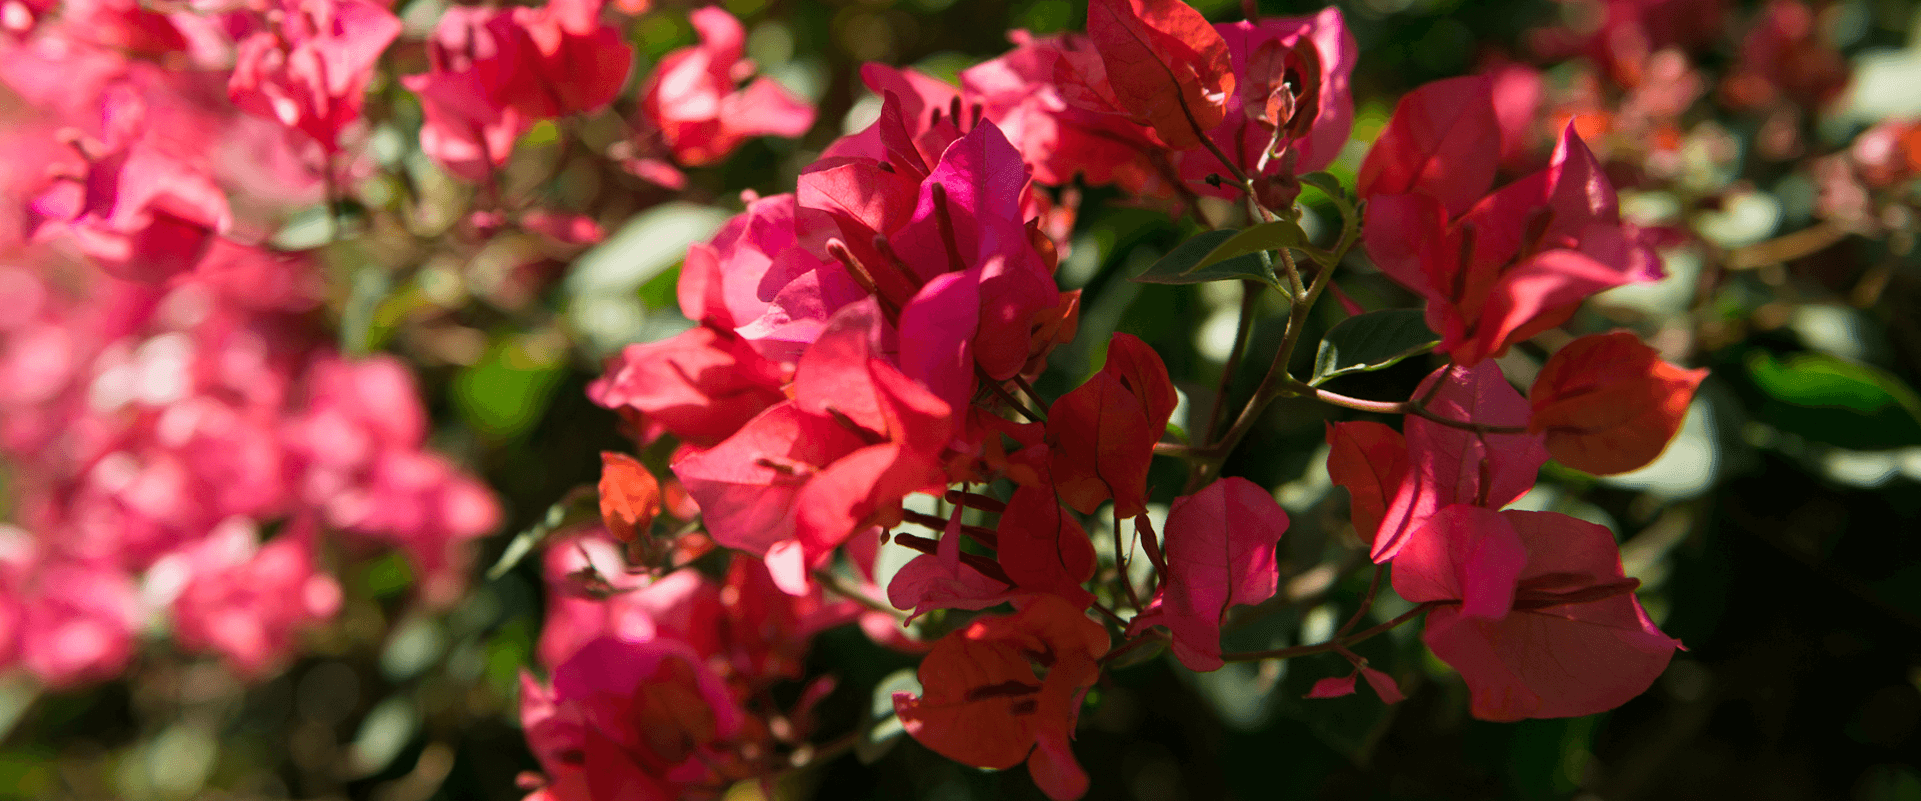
[(1258, 239), (1835, 401), (1371, 341), (1180, 266), (508, 391)]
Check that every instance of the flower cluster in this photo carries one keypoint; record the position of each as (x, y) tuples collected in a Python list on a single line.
[(874, 335), (188, 450)]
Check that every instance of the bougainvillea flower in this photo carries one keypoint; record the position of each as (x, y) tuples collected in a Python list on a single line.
[(983, 704), (1453, 465), (1293, 93), (635, 720), (1444, 141), (803, 476), (968, 227), (1165, 64), (592, 592), (691, 101), (77, 622), (567, 60), (247, 601), (1536, 613), (1020, 94), (1220, 553), (1608, 403), (1101, 435), (763, 276), (1520, 260), (701, 385), (463, 130), (1370, 460), (140, 212), (310, 71), (1043, 548)]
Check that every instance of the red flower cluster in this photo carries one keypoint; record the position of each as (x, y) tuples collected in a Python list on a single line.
[(871, 337)]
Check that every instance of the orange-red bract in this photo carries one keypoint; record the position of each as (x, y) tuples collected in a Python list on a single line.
[(1370, 460), (629, 495), (1609, 404), (982, 704), (1166, 65), (1101, 435)]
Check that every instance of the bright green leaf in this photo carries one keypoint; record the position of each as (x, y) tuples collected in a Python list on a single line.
[(1371, 341)]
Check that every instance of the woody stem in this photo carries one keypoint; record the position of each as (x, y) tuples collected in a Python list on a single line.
[(1273, 385), (1414, 408), (1338, 643), (1250, 294)]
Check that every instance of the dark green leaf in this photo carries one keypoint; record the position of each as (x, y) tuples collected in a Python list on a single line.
[(1371, 341), (1258, 239), (1837, 402), (1179, 267)]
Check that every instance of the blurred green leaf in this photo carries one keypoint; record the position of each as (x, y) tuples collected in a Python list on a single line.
[(1181, 265), (1836, 402), (506, 393), (663, 290), (1371, 341), (1254, 241)]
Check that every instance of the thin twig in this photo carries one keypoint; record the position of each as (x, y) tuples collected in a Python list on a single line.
[(1334, 644)]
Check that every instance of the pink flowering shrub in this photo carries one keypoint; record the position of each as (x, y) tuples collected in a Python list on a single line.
[(979, 387)]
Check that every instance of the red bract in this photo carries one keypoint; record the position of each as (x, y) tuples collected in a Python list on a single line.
[(1101, 435), (246, 601), (1537, 615), (1516, 264), (1370, 460), (646, 721), (310, 70), (1444, 141), (1022, 93), (765, 277), (569, 62), (1609, 404), (142, 212), (1165, 64), (700, 386), (691, 101), (1294, 104), (1043, 548), (1220, 553), (1453, 465), (983, 704), (803, 476)]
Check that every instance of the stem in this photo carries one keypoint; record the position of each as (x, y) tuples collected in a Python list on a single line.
[(1120, 563), (1272, 385), (1007, 397), (1250, 294), (1396, 407), (1339, 642), (835, 585), (1110, 614), (1367, 602)]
